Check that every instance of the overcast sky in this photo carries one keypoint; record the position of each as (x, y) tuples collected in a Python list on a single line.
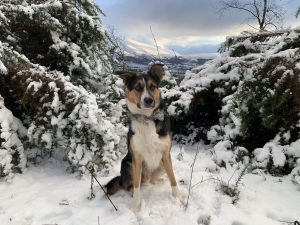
[(187, 26)]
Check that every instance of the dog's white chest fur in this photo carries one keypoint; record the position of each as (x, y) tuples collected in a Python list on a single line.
[(147, 142)]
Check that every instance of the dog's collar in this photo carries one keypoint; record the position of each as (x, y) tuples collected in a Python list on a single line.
[(157, 115)]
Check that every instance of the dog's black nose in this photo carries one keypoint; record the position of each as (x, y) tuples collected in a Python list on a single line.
[(148, 101)]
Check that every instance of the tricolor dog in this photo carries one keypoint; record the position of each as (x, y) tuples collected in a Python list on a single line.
[(149, 138)]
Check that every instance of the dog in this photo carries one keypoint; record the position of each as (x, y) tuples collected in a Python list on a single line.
[(149, 136)]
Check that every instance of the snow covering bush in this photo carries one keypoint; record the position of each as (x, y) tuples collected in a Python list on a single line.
[(63, 117), (12, 157), (247, 96), (53, 76), (223, 153), (226, 154), (63, 35), (277, 159), (295, 175), (70, 119)]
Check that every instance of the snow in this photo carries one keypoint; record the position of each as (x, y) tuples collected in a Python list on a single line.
[(295, 175), (262, 155), (278, 156), (2, 68), (223, 152), (46, 194), (212, 135), (10, 144), (36, 85), (47, 139)]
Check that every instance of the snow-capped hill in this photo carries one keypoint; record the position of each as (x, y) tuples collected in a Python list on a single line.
[(134, 47)]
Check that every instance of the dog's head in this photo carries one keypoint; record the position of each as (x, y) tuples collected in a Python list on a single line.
[(142, 93)]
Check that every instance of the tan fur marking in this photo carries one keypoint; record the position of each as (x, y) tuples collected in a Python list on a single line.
[(156, 96), (167, 162), (137, 162), (134, 96)]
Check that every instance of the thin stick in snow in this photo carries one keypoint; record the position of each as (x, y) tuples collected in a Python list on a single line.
[(93, 175), (192, 170), (233, 174), (92, 190), (105, 192)]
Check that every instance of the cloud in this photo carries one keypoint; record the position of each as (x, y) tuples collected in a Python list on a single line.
[(169, 18), (193, 49), (179, 23)]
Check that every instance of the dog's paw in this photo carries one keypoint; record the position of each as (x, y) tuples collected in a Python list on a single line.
[(136, 201), (135, 208), (177, 194)]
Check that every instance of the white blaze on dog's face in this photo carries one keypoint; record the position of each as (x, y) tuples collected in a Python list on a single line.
[(143, 95)]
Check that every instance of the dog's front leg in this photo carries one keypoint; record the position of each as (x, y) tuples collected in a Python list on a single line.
[(136, 172), (167, 162)]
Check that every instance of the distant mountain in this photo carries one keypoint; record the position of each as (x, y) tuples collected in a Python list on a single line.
[(139, 55), (138, 48), (134, 47)]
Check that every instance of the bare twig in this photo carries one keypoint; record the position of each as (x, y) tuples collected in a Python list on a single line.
[(94, 176), (174, 53), (265, 12), (232, 174), (117, 50), (204, 180), (192, 170), (253, 27), (155, 43)]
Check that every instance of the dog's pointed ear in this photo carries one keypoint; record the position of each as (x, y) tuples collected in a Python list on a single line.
[(125, 75), (157, 72)]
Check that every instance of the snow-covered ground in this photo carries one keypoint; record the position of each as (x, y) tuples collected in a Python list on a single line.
[(47, 195)]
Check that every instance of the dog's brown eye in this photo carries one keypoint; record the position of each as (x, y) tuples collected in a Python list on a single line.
[(138, 87), (152, 87)]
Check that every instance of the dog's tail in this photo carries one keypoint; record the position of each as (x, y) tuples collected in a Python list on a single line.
[(113, 186)]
